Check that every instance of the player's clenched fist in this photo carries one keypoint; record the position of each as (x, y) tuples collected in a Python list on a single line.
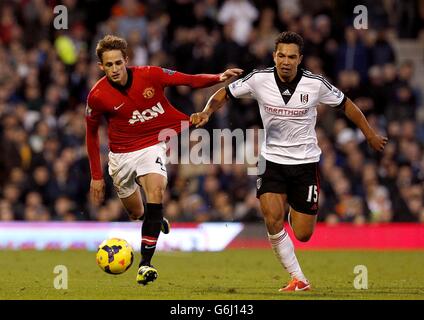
[(199, 119), (378, 142)]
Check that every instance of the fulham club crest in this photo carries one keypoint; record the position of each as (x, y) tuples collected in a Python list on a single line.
[(148, 93), (304, 98), (258, 183)]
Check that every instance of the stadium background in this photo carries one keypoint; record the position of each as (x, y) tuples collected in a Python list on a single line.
[(46, 74)]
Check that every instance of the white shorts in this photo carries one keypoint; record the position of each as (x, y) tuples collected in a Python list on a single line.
[(124, 168)]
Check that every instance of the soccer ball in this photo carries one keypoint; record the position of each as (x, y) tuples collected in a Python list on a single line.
[(115, 256)]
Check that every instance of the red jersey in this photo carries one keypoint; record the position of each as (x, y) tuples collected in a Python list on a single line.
[(137, 112)]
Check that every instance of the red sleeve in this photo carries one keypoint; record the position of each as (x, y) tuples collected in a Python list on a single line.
[(92, 120), (174, 78)]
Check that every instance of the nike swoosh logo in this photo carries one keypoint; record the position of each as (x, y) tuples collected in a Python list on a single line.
[(117, 107), (150, 247), (298, 289)]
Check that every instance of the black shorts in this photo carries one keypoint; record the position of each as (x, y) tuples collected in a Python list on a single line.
[(299, 182)]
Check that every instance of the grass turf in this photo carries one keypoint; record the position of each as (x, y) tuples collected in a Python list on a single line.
[(232, 274)]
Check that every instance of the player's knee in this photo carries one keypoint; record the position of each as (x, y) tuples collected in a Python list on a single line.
[(136, 214), (303, 236), (274, 223)]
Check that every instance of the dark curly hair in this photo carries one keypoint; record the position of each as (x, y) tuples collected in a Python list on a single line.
[(290, 37)]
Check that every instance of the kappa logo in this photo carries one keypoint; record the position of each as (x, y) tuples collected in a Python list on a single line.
[(147, 114), (148, 93)]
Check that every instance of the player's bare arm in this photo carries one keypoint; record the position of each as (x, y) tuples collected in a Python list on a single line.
[(377, 142), (215, 102)]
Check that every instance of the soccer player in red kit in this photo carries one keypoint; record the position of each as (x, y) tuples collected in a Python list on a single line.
[(133, 102)]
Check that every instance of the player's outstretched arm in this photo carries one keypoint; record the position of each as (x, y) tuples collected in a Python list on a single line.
[(376, 141), (230, 73), (215, 102), (175, 78)]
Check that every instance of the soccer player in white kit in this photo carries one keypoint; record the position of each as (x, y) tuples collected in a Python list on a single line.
[(288, 97)]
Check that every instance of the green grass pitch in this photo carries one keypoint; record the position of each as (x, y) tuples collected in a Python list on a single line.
[(232, 274)]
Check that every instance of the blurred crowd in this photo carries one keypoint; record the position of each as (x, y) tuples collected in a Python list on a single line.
[(46, 75)]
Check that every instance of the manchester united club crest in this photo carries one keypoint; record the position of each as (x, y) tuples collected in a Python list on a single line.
[(88, 111), (148, 93), (304, 98)]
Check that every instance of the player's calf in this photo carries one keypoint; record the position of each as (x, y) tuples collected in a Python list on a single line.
[(302, 224), (165, 224)]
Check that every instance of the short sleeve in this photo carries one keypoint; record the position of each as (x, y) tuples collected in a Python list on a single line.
[(242, 88), (330, 95)]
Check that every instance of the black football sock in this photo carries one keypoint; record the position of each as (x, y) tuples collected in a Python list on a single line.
[(150, 231), (144, 214)]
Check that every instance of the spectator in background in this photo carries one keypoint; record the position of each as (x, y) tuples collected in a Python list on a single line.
[(222, 209), (34, 208), (12, 196), (240, 15), (38, 182), (248, 210), (6, 211), (64, 209), (377, 90), (352, 54), (403, 106), (381, 50), (377, 196), (137, 52), (195, 209), (61, 182)]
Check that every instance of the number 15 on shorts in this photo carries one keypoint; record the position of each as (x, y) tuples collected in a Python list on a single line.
[(312, 193)]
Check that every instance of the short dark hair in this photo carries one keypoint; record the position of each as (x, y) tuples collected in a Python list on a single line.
[(110, 42), (290, 37)]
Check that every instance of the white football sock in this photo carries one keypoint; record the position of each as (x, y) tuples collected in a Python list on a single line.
[(284, 251), (289, 220)]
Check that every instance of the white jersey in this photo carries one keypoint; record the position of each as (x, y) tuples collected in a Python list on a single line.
[(288, 112)]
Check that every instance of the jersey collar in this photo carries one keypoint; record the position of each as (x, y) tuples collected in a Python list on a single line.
[(287, 89), (126, 85)]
